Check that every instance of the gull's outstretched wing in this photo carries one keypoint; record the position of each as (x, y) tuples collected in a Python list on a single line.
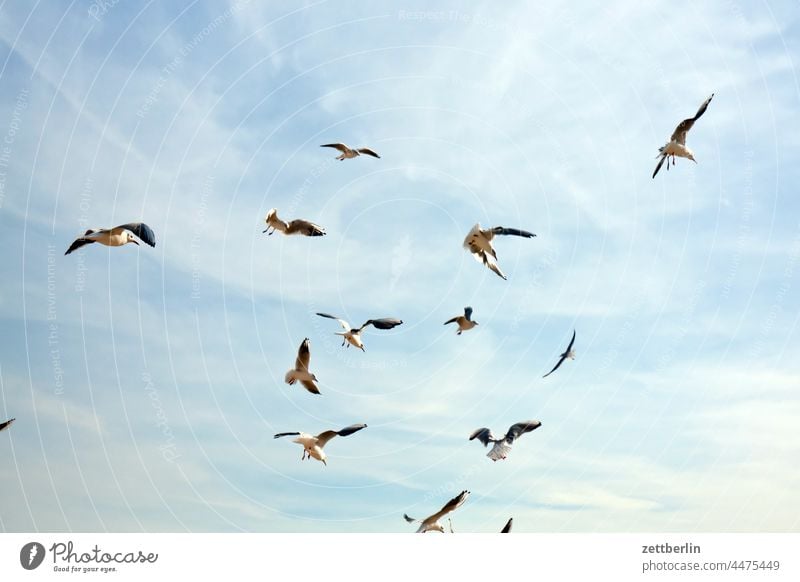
[(324, 437), (304, 227), (6, 424), (367, 151), (451, 505), (339, 146), (512, 231), (563, 356), (679, 135), (342, 322), (283, 434), (507, 526), (660, 163), (303, 356), (519, 429), (468, 313), (484, 435), (383, 323)]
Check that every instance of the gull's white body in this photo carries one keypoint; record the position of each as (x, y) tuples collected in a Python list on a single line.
[(310, 447)]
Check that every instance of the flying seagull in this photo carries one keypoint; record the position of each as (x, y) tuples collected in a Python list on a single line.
[(116, 237), (464, 321), (676, 146), (347, 153), (300, 372), (569, 353), (502, 446), (352, 336), (507, 526), (431, 523), (479, 243), (312, 445), (7, 424), (296, 226)]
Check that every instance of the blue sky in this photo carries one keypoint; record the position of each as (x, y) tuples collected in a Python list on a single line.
[(148, 383)]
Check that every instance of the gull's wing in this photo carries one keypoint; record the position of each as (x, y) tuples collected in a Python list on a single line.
[(408, 519), (572, 341), (684, 126), (310, 386), (512, 231), (660, 163), (283, 434), (6, 424), (519, 429), (141, 230), (563, 356), (78, 243), (453, 320), (304, 227), (339, 146), (507, 527), (324, 437), (451, 505), (484, 435), (492, 265), (468, 313), (303, 356), (342, 322), (383, 323), (367, 151)]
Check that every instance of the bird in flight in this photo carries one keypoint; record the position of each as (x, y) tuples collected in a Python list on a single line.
[(116, 237), (7, 424), (312, 445), (569, 353), (464, 321), (300, 372), (431, 523), (296, 226), (502, 446), (676, 146), (479, 243), (352, 336), (348, 153)]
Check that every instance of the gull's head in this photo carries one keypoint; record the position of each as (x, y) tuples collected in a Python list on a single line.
[(271, 214), (438, 528), (690, 155), (132, 239)]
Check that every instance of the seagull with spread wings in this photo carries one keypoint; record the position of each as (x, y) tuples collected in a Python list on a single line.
[(300, 371), (464, 321), (348, 153), (7, 424), (479, 243), (431, 523), (676, 146), (115, 237), (296, 226), (502, 446), (569, 353), (352, 335), (312, 445)]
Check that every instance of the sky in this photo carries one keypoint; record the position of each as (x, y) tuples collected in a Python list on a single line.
[(147, 383)]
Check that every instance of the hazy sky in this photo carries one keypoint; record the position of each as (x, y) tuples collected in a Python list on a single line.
[(147, 383)]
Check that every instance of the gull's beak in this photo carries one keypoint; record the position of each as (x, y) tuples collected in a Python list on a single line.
[(134, 242)]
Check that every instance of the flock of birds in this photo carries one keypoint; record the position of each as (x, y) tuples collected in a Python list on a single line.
[(478, 242)]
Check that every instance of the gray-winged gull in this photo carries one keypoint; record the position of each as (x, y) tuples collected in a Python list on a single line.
[(296, 226), (116, 237), (676, 146), (430, 523), (464, 321), (300, 372), (312, 445), (352, 336), (568, 353), (479, 243), (502, 446), (348, 153)]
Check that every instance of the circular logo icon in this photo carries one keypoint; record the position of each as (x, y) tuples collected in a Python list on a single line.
[(31, 555)]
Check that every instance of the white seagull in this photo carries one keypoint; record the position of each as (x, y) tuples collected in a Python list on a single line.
[(300, 371), (568, 353), (676, 146), (464, 321), (502, 446), (431, 523), (479, 243), (296, 226), (7, 424), (312, 445), (116, 237), (348, 153), (352, 336)]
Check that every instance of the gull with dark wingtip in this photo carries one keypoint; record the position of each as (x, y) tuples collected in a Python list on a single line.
[(502, 446), (569, 353), (7, 424), (296, 226), (352, 336), (300, 371), (116, 237), (676, 146), (348, 153), (464, 321), (431, 523), (479, 243), (312, 445)]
